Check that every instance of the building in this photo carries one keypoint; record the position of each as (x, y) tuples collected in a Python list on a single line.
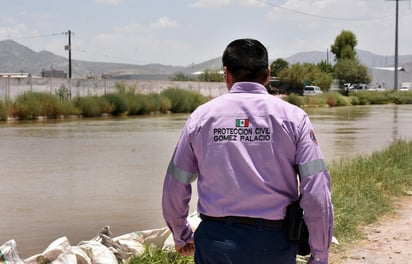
[(384, 77), (53, 74)]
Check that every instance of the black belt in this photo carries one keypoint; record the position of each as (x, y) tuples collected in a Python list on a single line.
[(244, 220)]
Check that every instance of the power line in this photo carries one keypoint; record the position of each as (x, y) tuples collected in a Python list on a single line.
[(324, 17), (41, 36), (76, 49), (105, 55)]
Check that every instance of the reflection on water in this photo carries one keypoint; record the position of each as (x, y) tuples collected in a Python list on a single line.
[(70, 178), (349, 131)]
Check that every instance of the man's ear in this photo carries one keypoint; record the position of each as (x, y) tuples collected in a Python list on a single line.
[(267, 77), (228, 77)]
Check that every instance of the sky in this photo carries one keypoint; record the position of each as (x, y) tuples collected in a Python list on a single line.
[(186, 32)]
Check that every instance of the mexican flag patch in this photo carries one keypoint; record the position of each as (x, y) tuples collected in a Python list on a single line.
[(242, 122)]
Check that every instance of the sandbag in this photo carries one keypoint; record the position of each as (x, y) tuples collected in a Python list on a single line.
[(9, 253), (59, 251), (97, 252), (135, 243)]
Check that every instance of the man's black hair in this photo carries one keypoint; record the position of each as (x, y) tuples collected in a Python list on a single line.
[(246, 60)]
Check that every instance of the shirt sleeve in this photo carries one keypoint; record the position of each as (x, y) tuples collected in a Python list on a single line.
[(177, 189), (315, 189)]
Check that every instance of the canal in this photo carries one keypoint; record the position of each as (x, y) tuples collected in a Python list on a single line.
[(72, 177)]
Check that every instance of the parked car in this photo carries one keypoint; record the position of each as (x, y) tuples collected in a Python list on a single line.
[(404, 88), (312, 90)]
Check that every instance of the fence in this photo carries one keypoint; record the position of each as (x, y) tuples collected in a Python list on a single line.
[(10, 87)]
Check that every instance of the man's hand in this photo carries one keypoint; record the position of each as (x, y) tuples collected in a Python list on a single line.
[(186, 250)]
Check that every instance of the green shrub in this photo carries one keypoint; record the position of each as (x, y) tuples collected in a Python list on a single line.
[(363, 97), (183, 101), (165, 104), (3, 111), (315, 100), (354, 100), (159, 103), (90, 106), (67, 108), (26, 106), (371, 97), (336, 99), (157, 255), (31, 105), (134, 104), (50, 104), (152, 103), (401, 97), (118, 102), (378, 98), (294, 99)]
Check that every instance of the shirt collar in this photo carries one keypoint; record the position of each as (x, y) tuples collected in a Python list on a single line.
[(248, 87)]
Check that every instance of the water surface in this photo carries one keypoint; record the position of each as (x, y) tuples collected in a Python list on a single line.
[(72, 177)]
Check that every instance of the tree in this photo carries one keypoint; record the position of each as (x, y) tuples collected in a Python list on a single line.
[(344, 46), (295, 77), (351, 71), (348, 68), (277, 66), (324, 66)]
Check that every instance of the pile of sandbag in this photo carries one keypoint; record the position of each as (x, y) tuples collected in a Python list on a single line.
[(102, 249)]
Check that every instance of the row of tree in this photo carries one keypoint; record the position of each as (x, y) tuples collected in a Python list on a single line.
[(346, 69), (287, 79)]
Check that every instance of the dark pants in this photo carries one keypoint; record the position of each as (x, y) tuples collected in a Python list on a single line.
[(235, 243)]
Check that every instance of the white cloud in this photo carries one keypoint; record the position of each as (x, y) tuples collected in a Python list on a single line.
[(109, 2), (164, 22)]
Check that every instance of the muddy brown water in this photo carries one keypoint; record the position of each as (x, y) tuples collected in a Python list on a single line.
[(72, 177)]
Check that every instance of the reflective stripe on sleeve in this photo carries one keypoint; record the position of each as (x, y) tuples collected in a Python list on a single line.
[(183, 176), (312, 167)]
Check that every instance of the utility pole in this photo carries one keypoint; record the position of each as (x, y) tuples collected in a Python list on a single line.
[(396, 43), (69, 48)]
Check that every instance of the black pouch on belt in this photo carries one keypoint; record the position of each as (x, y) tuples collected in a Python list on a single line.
[(294, 221), (296, 228)]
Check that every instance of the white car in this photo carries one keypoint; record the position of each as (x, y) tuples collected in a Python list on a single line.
[(404, 88), (312, 90)]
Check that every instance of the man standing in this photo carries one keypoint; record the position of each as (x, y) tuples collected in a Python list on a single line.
[(243, 148)]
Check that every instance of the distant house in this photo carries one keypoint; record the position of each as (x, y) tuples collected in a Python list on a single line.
[(53, 74), (15, 74)]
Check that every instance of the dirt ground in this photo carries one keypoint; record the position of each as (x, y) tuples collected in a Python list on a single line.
[(388, 242)]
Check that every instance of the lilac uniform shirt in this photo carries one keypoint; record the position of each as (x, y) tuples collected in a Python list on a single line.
[(243, 148)]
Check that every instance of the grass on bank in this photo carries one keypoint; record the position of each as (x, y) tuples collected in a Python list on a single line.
[(31, 105), (333, 99), (363, 189), (158, 256)]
